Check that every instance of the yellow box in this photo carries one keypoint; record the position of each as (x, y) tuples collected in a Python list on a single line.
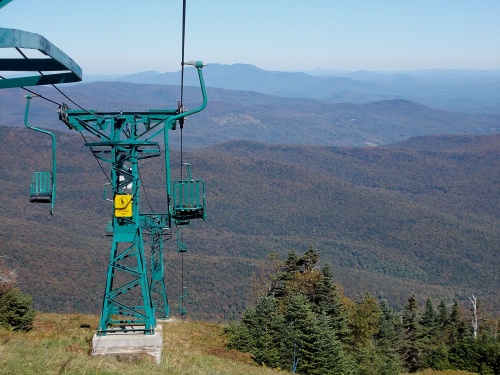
[(123, 205)]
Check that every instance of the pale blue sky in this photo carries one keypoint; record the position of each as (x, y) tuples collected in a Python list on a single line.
[(126, 36)]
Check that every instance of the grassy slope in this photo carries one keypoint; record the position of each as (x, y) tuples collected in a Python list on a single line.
[(60, 344)]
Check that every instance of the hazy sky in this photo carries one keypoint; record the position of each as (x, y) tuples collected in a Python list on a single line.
[(125, 36)]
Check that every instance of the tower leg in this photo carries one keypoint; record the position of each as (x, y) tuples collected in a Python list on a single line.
[(127, 302), (156, 230)]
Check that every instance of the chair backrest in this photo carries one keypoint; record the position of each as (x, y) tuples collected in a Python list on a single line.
[(189, 193), (41, 187)]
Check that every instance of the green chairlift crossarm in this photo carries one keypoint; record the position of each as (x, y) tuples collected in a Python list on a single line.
[(61, 67), (4, 3), (43, 184)]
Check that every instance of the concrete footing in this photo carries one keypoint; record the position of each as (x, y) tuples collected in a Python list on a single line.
[(129, 345)]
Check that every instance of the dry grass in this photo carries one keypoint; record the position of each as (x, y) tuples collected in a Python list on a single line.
[(61, 344), (447, 372)]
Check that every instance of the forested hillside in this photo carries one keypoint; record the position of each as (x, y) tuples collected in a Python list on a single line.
[(421, 216), (242, 115)]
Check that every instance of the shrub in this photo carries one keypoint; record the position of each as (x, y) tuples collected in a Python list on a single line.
[(16, 312)]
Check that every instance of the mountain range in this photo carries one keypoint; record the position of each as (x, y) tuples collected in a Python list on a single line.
[(235, 115), (454, 90)]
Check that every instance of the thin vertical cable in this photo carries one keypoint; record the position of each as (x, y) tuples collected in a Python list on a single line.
[(181, 121), (183, 44), (182, 282)]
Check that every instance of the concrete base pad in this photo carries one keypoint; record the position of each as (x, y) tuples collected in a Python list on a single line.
[(129, 345)]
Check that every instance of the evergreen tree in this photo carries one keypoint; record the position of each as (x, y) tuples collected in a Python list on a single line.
[(325, 301), (388, 341), (301, 327), (434, 354), (389, 362), (266, 330), (259, 332), (310, 341), (332, 358), (375, 338), (16, 312), (464, 355), (388, 327), (428, 319), (457, 328), (438, 357), (239, 336), (329, 303), (284, 275), (442, 319), (410, 324), (489, 353)]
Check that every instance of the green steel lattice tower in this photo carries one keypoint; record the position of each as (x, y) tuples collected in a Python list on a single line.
[(131, 297)]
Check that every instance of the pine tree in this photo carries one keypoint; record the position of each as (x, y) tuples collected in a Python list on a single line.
[(299, 322), (442, 319), (266, 331), (16, 312), (428, 319), (462, 350), (259, 332), (388, 341), (310, 341), (410, 350), (239, 336), (375, 338), (433, 355), (301, 327), (331, 358), (284, 275), (457, 328), (388, 327), (329, 303)]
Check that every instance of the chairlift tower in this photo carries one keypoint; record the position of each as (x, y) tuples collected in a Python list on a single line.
[(125, 138)]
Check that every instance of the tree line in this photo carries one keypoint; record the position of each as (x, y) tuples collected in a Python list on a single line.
[(302, 322)]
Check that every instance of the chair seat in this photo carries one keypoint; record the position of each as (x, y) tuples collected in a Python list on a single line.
[(41, 198)]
